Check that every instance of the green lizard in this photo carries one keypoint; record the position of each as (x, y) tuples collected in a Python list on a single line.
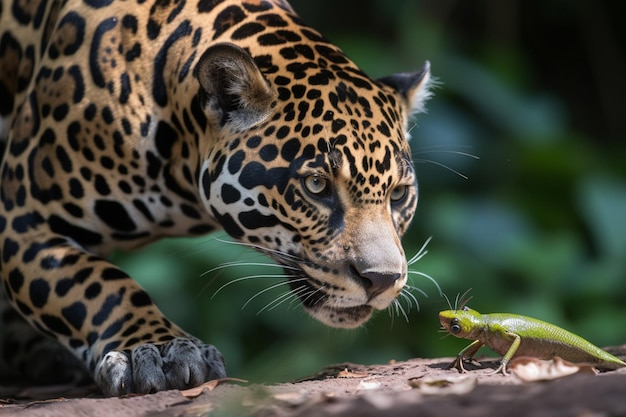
[(512, 334)]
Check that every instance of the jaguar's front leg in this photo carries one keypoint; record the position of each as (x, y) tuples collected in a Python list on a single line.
[(103, 316)]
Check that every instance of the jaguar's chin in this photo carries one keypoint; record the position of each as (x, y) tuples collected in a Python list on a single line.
[(341, 317), (344, 306)]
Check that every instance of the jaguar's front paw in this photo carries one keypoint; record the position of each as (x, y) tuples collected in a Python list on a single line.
[(179, 364)]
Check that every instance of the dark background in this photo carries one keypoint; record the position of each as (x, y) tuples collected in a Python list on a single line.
[(534, 89)]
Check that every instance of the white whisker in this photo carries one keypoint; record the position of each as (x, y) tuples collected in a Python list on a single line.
[(443, 166), (420, 253), (299, 291), (434, 149), (401, 310), (425, 275), (392, 310), (402, 297), (305, 299), (412, 288), (243, 263), (271, 287), (409, 301), (281, 299), (441, 149), (245, 279), (262, 249), (276, 301), (407, 295), (296, 296)]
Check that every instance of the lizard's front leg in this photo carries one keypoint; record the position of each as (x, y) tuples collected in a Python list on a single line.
[(465, 355)]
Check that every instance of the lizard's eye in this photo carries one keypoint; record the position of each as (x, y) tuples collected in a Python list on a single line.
[(454, 326)]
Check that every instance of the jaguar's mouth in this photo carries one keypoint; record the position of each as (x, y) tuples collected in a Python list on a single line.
[(324, 306), (344, 317)]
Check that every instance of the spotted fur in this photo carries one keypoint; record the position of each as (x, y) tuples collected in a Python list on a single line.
[(126, 121)]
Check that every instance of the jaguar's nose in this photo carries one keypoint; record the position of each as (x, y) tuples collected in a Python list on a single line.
[(376, 283)]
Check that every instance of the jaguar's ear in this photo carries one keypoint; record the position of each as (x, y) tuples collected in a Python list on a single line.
[(234, 91), (414, 87)]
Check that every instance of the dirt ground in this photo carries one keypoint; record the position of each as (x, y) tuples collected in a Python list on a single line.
[(421, 387)]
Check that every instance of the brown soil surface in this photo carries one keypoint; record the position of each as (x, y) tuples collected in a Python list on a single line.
[(421, 387)]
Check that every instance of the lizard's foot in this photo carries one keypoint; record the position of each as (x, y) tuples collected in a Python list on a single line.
[(500, 369), (458, 364), (178, 364)]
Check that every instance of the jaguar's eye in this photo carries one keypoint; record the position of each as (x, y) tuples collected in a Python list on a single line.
[(399, 192), (316, 185)]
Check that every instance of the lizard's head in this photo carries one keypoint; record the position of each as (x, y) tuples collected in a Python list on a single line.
[(463, 323)]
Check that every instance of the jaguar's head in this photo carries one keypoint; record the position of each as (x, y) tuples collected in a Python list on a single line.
[(314, 169)]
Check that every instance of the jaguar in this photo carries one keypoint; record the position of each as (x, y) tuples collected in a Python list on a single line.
[(126, 121)]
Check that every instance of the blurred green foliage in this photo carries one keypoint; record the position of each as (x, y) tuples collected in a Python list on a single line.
[(537, 227)]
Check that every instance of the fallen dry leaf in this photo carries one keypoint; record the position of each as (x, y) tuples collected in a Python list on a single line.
[(350, 374), (203, 409), (444, 385), (292, 398), (209, 386), (40, 402), (368, 385), (533, 369)]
